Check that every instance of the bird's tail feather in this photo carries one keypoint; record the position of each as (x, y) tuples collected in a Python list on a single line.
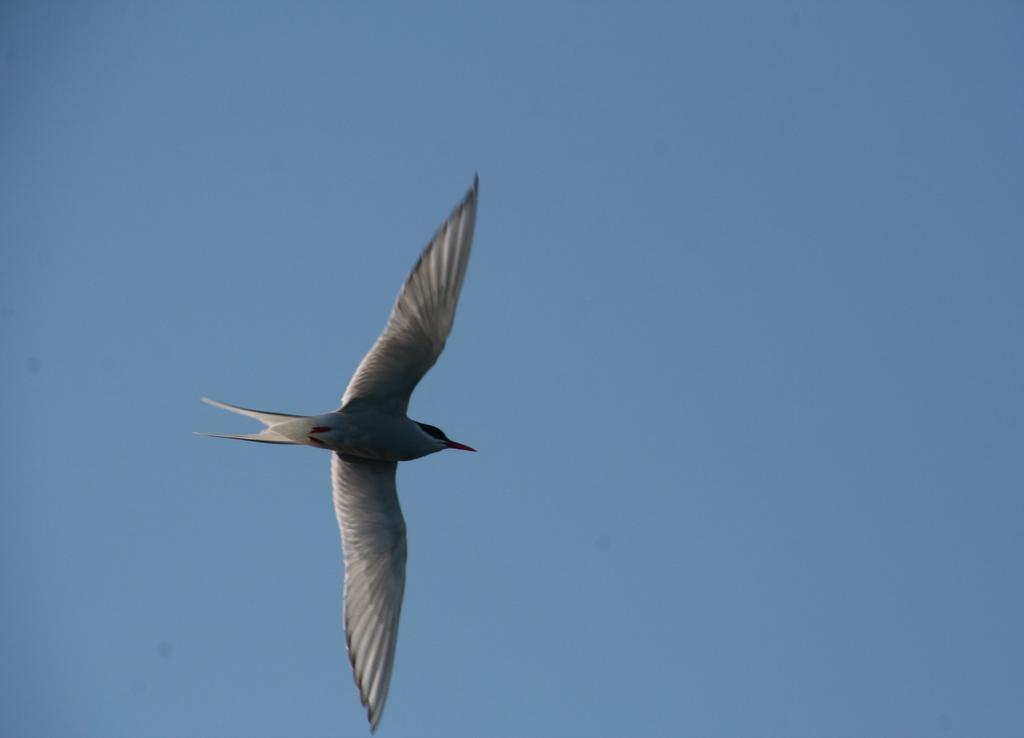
[(268, 435)]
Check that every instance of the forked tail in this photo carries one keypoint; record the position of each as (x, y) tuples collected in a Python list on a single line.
[(277, 430)]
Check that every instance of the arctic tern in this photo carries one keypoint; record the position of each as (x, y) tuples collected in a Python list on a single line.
[(368, 435)]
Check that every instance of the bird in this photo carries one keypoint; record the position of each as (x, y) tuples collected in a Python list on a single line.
[(368, 434)]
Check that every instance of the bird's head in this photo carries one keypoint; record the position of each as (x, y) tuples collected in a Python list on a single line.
[(445, 441)]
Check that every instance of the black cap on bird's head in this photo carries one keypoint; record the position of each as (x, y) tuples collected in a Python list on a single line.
[(437, 433)]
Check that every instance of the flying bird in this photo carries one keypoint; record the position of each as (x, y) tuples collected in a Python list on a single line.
[(368, 435)]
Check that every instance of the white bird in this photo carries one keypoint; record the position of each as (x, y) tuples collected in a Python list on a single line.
[(368, 435)]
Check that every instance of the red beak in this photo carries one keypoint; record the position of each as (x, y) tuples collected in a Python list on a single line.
[(460, 446)]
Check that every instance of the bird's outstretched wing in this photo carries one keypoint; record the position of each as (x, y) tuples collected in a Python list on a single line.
[(373, 540), (421, 318)]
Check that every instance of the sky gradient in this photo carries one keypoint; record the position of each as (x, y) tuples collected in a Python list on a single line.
[(739, 344)]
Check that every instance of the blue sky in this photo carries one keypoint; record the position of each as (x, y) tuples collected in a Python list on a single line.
[(740, 346)]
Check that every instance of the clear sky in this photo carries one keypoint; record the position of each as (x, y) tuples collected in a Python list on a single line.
[(740, 345)]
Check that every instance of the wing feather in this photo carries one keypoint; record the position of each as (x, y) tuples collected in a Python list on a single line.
[(374, 544), (422, 317)]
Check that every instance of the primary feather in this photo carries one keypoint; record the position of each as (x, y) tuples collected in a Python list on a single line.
[(421, 318), (373, 541)]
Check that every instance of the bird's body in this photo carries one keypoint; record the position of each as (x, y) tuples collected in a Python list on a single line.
[(363, 432), (368, 434)]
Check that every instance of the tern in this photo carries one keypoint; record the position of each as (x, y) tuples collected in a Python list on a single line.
[(368, 435)]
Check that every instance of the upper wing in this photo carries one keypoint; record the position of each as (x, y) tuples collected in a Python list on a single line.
[(373, 539), (421, 318)]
